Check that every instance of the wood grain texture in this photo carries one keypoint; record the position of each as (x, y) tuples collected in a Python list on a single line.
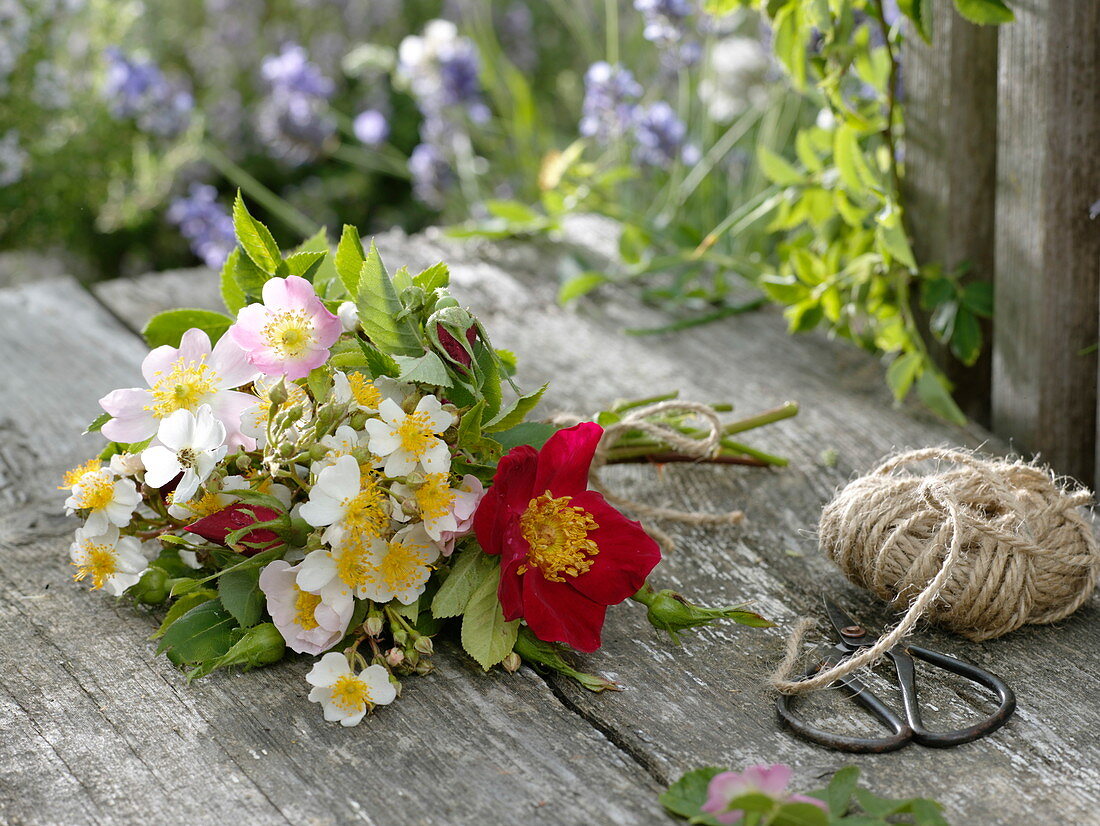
[(1047, 249), (950, 167), (705, 702), (99, 730)]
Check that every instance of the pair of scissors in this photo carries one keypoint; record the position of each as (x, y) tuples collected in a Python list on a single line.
[(907, 727)]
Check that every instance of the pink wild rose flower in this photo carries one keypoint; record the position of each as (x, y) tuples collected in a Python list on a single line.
[(183, 378), (768, 780), (290, 333)]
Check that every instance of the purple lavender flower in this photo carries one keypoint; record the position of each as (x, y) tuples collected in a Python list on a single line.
[(442, 70), (665, 20), (370, 127), (291, 72), (432, 175), (294, 120), (138, 89), (661, 137), (610, 99), (205, 223)]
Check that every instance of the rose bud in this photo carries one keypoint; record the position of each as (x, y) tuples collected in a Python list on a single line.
[(218, 526)]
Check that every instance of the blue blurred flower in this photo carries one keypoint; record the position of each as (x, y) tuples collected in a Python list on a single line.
[(291, 72), (441, 70), (661, 137), (138, 89), (294, 120), (610, 98), (205, 223), (371, 127), (432, 175)]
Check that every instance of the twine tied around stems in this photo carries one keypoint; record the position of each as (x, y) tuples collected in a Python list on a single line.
[(703, 447), (979, 546)]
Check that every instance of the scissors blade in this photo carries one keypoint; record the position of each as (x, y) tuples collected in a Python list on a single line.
[(851, 631)]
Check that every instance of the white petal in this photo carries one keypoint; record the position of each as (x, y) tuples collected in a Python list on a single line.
[(437, 458), (382, 691), (328, 669), (440, 419), (177, 430), (97, 522), (318, 570), (341, 479), (354, 719), (399, 463), (321, 509), (391, 411), (161, 465), (188, 485)]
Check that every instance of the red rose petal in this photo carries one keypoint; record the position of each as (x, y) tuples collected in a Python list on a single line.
[(217, 526), (627, 553), (565, 458), (556, 612)]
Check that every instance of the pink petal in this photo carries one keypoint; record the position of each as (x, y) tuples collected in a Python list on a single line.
[(230, 361), (299, 293), (131, 422), (277, 296), (771, 780), (158, 361), (326, 326), (194, 345), (228, 406)]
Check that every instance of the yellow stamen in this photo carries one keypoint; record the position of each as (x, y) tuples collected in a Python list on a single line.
[(184, 387), (415, 433), (435, 497), (557, 534), (205, 505), (363, 391), (72, 477), (403, 566), (289, 333), (97, 490), (350, 693), (304, 607), (365, 515), (100, 562)]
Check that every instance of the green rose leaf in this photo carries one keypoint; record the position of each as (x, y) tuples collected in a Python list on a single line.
[(427, 369), (349, 258), (305, 264), (380, 310), (579, 285), (232, 295), (436, 277), (985, 12), (470, 568), (776, 169), (687, 795), (486, 636), (241, 595), (181, 606), (256, 240), (516, 413), (205, 632), (169, 327)]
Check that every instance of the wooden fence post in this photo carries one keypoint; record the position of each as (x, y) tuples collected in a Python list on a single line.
[(950, 166), (1047, 249)]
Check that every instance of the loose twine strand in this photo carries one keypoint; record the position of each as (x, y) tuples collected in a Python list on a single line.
[(701, 447), (1032, 557)]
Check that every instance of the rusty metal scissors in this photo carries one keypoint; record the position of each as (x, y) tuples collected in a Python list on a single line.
[(908, 727)]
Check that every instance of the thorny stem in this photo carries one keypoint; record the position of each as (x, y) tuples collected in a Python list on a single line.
[(891, 99)]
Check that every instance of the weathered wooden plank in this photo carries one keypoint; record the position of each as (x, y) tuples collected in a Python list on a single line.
[(706, 702), (1048, 276), (950, 166), (99, 730)]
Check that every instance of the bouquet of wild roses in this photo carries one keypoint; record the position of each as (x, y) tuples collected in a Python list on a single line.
[(335, 469)]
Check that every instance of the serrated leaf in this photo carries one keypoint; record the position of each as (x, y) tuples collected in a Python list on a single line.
[(436, 277), (97, 423), (486, 636), (848, 158), (349, 258), (977, 296), (534, 434), (799, 814), (380, 310), (582, 284), (985, 12), (305, 264), (232, 295), (784, 289), (255, 239), (469, 569), (427, 369), (687, 795), (896, 243), (240, 593), (917, 11), (169, 327), (838, 794), (203, 633), (776, 169), (250, 278), (516, 413), (181, 606), (378, 363), (803, 148), (487, 363), (966, 337)]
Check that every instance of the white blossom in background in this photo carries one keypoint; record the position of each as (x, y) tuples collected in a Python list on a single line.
[(13, 158), (737, 78), (344, 695), (189, 445), (113, 563)]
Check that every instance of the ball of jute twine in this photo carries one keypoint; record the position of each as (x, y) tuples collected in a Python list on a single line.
[(978, 546), (702, 447)]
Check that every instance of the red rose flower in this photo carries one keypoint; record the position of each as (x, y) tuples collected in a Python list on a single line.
[(566, 554), (217, 526)]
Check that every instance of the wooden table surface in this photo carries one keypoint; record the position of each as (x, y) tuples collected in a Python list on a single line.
[(96, 729)]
